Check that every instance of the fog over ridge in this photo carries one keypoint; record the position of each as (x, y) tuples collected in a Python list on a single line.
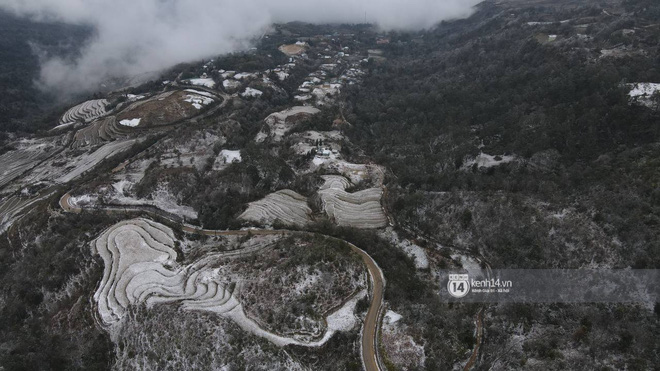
[(138, 36)]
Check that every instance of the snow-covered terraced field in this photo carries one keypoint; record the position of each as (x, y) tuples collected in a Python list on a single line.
[(359, 210), (12, 207), (356, 173), (98, 132), (85, 112), (282, 122), (90, 160), (140, 266), (29, 153), (335, 181), (285, 205)]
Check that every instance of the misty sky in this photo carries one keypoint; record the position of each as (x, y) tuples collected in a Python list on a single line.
[(137, 36)]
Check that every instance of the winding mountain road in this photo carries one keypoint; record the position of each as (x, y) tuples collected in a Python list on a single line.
[(369, 341)]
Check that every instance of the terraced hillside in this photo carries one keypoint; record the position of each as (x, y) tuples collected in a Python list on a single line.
[(280, 123), (166, 108), (285, 206), (29, 153), (12, 207), (361, 209), (85, 112), (89, 160), (106, 129), (141, 266)]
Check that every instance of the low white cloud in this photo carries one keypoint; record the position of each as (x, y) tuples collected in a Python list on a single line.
[(138, 36)]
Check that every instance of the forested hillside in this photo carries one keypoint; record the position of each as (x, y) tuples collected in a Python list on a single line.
[(22, 43), (557, 113)]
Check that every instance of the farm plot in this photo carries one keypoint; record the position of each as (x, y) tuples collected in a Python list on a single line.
[(285, 206), (12, 207), (85, 112), (280, 123), (140, 266), (99, 131), (359, 210), (29, 154), (356, 173), (166, 108), (88, 161), (293, 49)]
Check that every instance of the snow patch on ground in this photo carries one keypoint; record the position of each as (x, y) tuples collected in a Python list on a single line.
[(132, 122), (344, 318), (250, 92), (414, 251), (392, 317), (199, 92), (198, 100), (643, 92), (231, 84), (230, 156), (133, 97), (244, 75), (644, 89), (208, 82), (486, 160)]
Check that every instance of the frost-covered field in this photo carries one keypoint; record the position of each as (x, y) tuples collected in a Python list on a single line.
[(27, 155), (89, 160), (198, 98), (250, 92), (207, 82), (141, 266), (285, 206), (69, 164), (103, 130), (280, 123), (85, 112), (360, 209), (13, 206)]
